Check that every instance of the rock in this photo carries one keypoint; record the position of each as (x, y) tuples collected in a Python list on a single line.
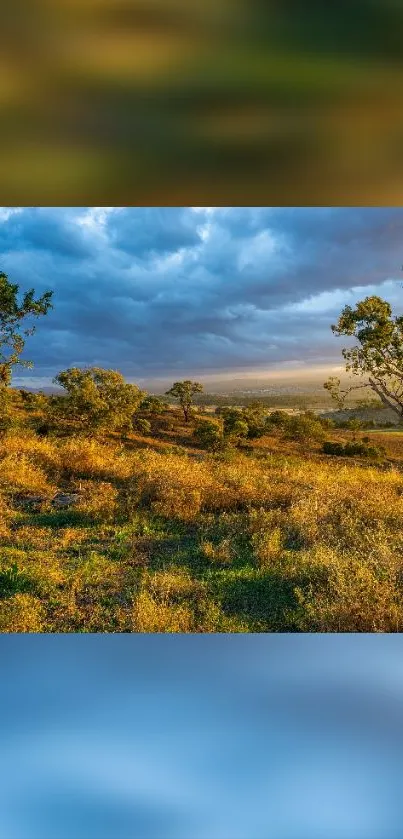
[(64, 499)]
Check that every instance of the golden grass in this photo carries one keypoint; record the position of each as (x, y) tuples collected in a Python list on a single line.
[(164, 540)]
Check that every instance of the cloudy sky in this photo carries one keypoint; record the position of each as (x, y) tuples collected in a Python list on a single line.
[(216, 292)]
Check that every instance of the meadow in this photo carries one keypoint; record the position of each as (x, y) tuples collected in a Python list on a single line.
[(151, 532)]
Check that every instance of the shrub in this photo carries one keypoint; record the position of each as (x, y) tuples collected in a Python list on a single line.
[(99, 499), (171, 601), (89, 458), (168, 421), (152, 404), (363, 450), (254, 416), (240, 430), (354, 597), (19, 474), (209, 435), (267, 546), (143, 426), (278, 419), (304, 427), (330, 447), (41, 453), (354, 448), (150, 615)]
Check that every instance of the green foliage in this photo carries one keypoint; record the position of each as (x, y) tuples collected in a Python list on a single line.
[(12, 581), (239, 423), (331, 447), (33, 401), (14, 313), (152, 405), (209, 435), (305, 426), (255, 416), (278, 419), (6, 412), (142, 425), (354, 448), (233, 424), (185, 392), (96, 399)]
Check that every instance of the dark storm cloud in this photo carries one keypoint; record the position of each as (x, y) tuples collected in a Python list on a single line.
[(161, 291), (45, 229), (143, 230)]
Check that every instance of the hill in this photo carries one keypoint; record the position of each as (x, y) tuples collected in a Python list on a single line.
[(148, 532)]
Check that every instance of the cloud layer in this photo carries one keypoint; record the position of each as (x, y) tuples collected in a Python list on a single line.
[(161, 292)]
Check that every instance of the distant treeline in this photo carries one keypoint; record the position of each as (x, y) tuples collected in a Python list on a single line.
[(299, 401)]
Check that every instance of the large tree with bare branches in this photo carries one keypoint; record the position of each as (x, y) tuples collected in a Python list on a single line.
[(377, 357)]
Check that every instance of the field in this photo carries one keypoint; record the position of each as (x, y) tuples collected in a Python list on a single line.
[(154, 534)]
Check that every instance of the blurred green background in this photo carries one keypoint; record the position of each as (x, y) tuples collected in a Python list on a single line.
[(222, 102)]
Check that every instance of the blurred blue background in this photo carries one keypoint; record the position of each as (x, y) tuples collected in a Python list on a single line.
[(202, 737)]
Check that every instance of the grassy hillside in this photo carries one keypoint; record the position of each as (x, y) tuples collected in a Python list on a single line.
[(153, 534)]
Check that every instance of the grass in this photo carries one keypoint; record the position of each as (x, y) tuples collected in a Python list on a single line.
[(165, 537)]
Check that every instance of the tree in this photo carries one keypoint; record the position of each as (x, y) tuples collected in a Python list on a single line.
[(255, 416), (304, 427), (152, 404), (234, 424), (278, 419), (14, 313), (378, 355), (98, 399), (142, 425), (184, 392)]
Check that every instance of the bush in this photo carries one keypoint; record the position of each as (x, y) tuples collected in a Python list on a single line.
[(353, 597), (304, 427), (329, 447), (363, 450), (209, 435), (168, 421), (171, 601), (354, 424), (143, 426), (353, 449), (99, 499), (152, 405), (254, 416), (240, 430), (280, 419)]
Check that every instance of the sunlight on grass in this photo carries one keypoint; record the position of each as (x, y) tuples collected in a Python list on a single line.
[(154, 539)]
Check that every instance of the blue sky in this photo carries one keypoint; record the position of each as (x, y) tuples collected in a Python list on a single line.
[(209, 292), (201, 737)]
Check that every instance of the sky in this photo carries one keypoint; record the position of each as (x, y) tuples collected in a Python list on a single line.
[(163, 293), (131, 736)]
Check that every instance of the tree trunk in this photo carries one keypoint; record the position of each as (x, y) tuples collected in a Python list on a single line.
[(398, 409)]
